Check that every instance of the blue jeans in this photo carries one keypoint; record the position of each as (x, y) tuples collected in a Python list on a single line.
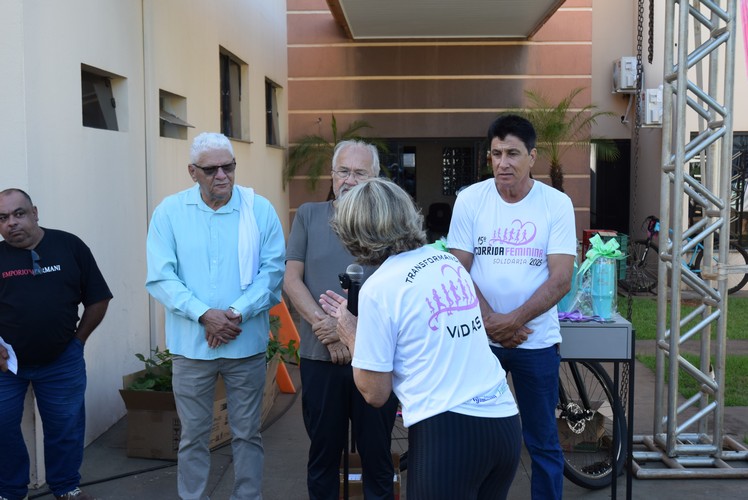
[(194, 382), (60, 389), (535, 380)]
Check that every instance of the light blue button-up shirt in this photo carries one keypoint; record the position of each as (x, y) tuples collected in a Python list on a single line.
[(193, 266)]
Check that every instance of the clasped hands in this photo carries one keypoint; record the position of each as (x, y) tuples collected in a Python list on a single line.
[(221, 326), (4, 359), (503, 329), (337, 328)]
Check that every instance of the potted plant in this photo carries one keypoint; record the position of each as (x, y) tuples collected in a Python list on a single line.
[(288, 353), (560, 127), (314, 152), (153, 425), (158, 368)]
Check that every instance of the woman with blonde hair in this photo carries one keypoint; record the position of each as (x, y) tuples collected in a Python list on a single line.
[(419, 333)]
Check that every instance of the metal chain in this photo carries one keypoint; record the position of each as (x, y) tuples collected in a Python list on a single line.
[(637, 128), (650, 44), (624, 389)]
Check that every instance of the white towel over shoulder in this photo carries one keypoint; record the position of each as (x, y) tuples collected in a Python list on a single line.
[(249, 238)]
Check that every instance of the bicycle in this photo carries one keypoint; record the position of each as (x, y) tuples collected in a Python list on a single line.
[(642, 262), (584, 416)]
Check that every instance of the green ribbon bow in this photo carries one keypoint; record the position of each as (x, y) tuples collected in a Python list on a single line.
[(599, 248), (440, 244)]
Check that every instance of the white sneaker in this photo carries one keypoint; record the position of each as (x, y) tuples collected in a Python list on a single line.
[(76, 494)]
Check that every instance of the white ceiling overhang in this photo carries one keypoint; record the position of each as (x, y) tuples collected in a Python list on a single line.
[(440, 19)]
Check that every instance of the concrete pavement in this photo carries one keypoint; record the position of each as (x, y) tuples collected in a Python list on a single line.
[(109, 474)]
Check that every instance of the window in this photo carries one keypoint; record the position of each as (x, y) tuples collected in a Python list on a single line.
[(234, 73), (99, 106), (457, 169), (271, 114), (172, 110)]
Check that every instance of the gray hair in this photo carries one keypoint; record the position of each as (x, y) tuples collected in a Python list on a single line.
[(358, 144), (376, 219), (207, 141)]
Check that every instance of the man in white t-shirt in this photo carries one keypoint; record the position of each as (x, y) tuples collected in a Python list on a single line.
[(517, 238)]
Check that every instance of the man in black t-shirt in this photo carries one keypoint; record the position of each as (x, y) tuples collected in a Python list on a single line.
[(45, 274)]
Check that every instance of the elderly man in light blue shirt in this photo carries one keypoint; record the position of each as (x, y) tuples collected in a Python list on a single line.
[(216, 262)]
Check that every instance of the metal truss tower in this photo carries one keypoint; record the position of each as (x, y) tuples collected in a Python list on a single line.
[(696, 172)]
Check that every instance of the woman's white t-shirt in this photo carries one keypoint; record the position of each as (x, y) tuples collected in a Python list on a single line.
[(419, 318)]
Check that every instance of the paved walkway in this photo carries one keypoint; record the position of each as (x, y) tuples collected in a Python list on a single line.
[(109, 474)]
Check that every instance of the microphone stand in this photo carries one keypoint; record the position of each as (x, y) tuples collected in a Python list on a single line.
[(351, 281)]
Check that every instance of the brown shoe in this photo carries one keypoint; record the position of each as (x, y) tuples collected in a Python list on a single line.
[(76, 494)]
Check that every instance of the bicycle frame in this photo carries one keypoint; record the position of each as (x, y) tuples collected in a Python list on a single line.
[(653, 231)]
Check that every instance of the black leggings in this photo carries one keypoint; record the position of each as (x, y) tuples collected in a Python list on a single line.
[(458, 457)]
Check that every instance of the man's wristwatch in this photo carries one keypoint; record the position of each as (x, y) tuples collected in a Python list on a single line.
[(236, 312)]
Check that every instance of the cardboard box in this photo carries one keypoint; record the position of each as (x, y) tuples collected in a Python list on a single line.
[(271, 387), (589, 439), (153, 427), (355, 482)]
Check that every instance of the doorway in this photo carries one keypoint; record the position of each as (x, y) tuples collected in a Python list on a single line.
[(610, 190)]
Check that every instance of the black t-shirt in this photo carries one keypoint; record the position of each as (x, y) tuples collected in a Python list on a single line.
[(39, 311)]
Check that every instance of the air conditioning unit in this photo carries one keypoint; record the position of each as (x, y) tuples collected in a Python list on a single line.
[(624, 75), (652, 104)]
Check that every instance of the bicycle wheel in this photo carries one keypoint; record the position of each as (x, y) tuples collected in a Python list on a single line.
[(736, 257), (584, 417), (641, 267)]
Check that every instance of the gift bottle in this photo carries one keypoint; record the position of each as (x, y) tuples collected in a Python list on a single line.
[(603, 287)]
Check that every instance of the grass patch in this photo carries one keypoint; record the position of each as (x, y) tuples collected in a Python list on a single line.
[(644, 320), (736, 383), (644, 316)]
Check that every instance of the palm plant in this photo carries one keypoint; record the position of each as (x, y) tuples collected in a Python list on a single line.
[(314, 152), (559, 128)]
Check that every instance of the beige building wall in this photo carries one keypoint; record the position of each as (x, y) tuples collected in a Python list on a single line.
[(614, 29), (614, 35), (103, 185)]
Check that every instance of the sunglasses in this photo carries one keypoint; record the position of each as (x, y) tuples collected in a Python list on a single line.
[(211, 171)]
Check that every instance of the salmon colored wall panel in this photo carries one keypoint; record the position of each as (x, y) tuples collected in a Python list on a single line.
[(398, 124), (314, 29), (448, 60), (582, 221), (299, 192), (574, 161), (578, 189), (566, 26), (302, 5), (574, 4), (423, 94)]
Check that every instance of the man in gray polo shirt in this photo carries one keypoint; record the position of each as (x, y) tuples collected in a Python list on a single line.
[(314, 258)]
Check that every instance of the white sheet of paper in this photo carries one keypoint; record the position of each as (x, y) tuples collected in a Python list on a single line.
[(12, 359)]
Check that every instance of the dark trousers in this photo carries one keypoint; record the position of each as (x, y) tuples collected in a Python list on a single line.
[(453, 456), (329, 399)]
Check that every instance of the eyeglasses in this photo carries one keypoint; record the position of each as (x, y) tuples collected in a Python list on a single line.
[(211, 171), (344, 173), (35, 263)]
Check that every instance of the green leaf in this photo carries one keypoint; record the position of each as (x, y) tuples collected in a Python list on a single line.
[(561, 126), (313, 153)]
